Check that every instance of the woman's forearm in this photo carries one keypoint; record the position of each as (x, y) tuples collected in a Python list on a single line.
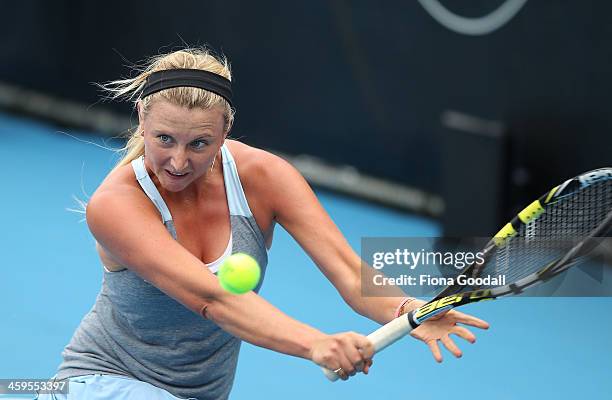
[(256, 321)]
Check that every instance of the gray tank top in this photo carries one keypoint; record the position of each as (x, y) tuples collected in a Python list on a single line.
[(136, 330)]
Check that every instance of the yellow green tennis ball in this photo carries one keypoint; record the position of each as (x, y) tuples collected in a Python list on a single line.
[(239, 273)]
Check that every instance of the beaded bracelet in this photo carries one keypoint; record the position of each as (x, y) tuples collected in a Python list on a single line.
[(400, 308)]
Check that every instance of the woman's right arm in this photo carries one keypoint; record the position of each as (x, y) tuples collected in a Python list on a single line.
[(128, 226)]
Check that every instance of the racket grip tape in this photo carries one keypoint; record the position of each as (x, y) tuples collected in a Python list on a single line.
[(381, 338)]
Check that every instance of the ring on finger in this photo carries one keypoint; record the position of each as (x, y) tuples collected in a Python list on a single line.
[(340, 372)]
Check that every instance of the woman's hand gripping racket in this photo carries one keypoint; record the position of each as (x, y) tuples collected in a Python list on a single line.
[(549, 236)]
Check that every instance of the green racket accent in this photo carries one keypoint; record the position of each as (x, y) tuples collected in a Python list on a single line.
[(502, 236), (531, 212), (551, 194)]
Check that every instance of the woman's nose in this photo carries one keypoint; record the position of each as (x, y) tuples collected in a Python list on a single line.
[(179, 161)]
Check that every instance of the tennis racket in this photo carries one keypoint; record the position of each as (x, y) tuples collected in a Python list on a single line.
[(546, 238)]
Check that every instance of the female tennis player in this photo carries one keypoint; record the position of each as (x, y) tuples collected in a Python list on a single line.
[(183, 198)]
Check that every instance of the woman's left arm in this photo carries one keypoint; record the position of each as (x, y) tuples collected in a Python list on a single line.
[(297, 209)]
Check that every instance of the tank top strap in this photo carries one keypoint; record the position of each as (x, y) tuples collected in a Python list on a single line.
[(151, 191), (236, 199)]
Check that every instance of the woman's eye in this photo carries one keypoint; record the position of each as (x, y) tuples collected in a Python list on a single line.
[(198, 144), (164, 138)]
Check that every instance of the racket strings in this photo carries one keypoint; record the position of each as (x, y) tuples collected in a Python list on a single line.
[(578, 214), (547, 238)]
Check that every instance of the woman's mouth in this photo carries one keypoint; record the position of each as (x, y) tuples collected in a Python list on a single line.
[(176, 175)]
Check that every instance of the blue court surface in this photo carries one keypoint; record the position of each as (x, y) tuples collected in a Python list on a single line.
[(536, 348)]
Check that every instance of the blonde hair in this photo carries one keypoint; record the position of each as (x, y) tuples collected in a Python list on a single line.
[(190, 97)]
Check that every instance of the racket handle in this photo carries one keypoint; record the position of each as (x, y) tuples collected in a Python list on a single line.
[(381, 338)]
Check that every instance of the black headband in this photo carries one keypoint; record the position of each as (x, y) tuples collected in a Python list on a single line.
[(171, 78)]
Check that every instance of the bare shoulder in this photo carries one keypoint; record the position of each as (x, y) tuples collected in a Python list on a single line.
[(273, 183), (257, 166), (118, 207), (119, 190)]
